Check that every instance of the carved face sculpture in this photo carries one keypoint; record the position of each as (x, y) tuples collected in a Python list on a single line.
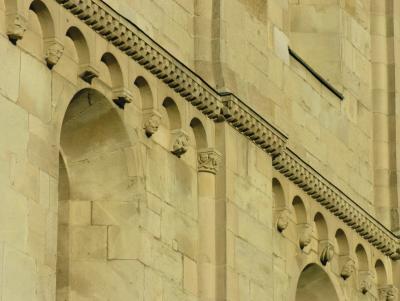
[(366, 284), (348, 269), (180, 144), (151, 125), (305, 236), (283, 220), (327, 253), (16, 27)]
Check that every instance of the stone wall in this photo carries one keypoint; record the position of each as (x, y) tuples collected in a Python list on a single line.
[(119, 183), (246, 53)]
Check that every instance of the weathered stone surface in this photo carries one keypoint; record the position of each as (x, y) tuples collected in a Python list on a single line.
[(109, 192)]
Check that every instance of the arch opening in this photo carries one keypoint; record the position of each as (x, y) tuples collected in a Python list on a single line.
[(45, 18), (362, 258), (200, 136), (80, 44), (114, 69), (278, 194), (380, 271), (314, 284), (145, 94), (320, 226), (173, 115), (299, 210), (94, 184), (341, 243)]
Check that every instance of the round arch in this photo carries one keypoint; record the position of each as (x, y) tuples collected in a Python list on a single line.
[(93, 174), (314, 284)]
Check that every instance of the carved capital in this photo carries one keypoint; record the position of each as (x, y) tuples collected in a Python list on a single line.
[(16, 27), (88, 73), (151, 122), (366, 281), (305, 231), (180, 142), (282, 221), (388, 293), (121, 97), (54, 51), (327, 251), (208, 160), (348, 268)]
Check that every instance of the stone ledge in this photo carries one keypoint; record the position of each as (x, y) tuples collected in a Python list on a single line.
[(249, 123)]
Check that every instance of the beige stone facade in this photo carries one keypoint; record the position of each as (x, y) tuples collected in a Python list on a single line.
[(210, 150)]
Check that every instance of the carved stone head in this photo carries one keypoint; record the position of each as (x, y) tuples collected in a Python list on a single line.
[(304, 235), (282, 221), (366, 280), (327, 251), (348, 269), (180, 142), (54, 51), (152, 124)]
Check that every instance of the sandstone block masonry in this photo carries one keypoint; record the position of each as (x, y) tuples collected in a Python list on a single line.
[(174, 150)]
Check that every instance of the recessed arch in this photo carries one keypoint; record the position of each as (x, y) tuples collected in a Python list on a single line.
[(314, 284), (81, 45), (45, 18), (381, 274), (278, 194), (200, 134), (174, 116), (362, 258), (91, 127), (145, 93), (299, 210), (93, 174), (321, 226), (114, 68), (342, 243)]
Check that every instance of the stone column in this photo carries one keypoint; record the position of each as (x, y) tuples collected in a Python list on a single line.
[(207, 164)]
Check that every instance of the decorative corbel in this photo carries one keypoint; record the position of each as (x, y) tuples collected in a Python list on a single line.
[(366, 281), (208, 160), (151, 122), (121, 97), (396, 255), (348, 268), (88, 73), (305, 231), (16, 27), (327, 251), (282, 220), (54, 51), (388, 293), (180, 142)]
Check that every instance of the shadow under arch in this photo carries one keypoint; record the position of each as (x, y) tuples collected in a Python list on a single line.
[(200, 135), (45, 18), (93, 175), (314, 284)]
